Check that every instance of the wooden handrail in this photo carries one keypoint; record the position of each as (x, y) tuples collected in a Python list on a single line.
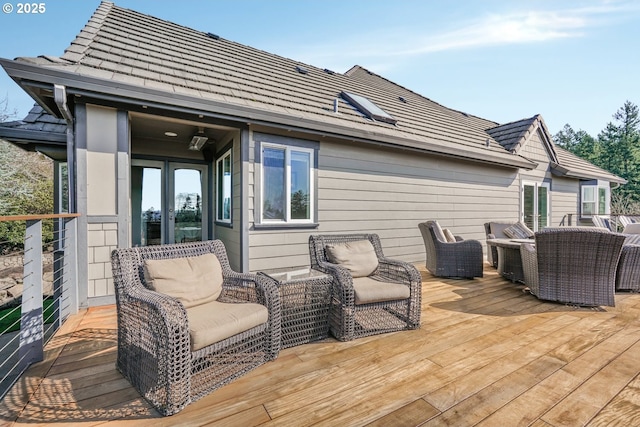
[(37, 217)]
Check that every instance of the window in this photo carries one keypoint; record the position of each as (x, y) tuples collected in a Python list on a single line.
[(287, 184), (595, 199), (223, 199), (368, 108)]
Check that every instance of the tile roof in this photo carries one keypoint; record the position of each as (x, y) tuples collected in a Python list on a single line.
[(515, 135), (38, 131), (38, 120), (124, 46), (121, 49)]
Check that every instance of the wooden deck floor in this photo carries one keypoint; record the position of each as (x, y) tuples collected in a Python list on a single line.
[(487, 354)]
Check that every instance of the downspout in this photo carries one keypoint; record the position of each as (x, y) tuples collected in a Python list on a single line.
[(60, 97)]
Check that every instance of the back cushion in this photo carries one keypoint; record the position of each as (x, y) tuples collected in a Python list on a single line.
[(192, 281), (519, 231), (359, 257)]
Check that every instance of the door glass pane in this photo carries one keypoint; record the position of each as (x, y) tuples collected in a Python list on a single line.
[(224, 188), (146, 204), (273, 205), (187, 205), (529, 203), (300, 185), (543, 209)]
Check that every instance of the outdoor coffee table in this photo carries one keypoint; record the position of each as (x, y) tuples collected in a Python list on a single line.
[(509, 260), (305, 295)]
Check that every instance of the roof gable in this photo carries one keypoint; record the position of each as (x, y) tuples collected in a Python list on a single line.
[(515, 135)]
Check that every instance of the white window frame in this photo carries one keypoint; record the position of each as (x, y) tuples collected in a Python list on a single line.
[(288, 149), (596, 199), (219, 209)]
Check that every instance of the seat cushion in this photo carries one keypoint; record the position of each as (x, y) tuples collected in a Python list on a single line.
[(519, 231), (368, 290), (359, 257), (191, 280), (215, 321)]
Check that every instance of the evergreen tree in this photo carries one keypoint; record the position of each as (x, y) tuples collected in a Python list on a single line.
[(620, 153)]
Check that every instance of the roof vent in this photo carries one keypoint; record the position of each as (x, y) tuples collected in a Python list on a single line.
[(328, 71), (368, 108), (213, 36), (302, 70), (402, 99)]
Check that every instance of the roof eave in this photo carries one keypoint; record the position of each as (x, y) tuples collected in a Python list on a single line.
[(27, 75), (562, 171)]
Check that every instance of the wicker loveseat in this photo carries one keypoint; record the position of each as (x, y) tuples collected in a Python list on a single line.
[(448, 258), (384, 300), (176, 349), (573, 265)]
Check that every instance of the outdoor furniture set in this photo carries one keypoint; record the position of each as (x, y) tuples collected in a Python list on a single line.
[(188, 324), (576, 265)]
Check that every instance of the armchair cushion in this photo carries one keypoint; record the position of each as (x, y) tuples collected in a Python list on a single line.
[(215, 321), (191, 280), (359, 257), (449, 236), (518, 231), (368, 290)]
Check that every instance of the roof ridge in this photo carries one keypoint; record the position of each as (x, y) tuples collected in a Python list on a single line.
[(80, 44)]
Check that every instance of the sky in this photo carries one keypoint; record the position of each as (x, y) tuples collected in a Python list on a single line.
[(573, 62)]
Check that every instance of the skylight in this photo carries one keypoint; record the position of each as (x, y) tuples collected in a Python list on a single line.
[(368, 108)]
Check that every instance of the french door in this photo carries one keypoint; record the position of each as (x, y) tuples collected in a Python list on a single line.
[(535, 205), (169, 202)]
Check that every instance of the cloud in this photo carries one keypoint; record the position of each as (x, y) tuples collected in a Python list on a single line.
[(495, 29)]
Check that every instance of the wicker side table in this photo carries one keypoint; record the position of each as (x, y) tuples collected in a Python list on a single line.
[(305, 295)]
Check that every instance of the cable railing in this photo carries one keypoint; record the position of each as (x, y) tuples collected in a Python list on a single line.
[(38, 290)]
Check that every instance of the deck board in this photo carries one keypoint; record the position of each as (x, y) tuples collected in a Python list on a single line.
[(488, 353)]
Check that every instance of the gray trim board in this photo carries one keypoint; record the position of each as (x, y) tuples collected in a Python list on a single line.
[(245, 139), (102, 300)]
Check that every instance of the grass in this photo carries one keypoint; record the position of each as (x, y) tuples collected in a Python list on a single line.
[(10, 317)]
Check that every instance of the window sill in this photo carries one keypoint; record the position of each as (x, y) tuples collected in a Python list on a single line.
[(223, 224), (286, 226)]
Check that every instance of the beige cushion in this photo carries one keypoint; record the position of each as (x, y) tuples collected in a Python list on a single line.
[(368, 290), (518, 231), (437, 230), (633, 228), (449, 235), (359, 257), (192, 280), (215, 321)]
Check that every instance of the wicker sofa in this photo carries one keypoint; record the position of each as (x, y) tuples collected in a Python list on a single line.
[(573, 265), (444, 258), (372, 294), (167, 347)]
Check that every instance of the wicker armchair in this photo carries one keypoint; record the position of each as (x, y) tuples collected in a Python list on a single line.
[(573, 265), (495, 230), (350, 318), (628, 273), (156, 350), (462, 258)]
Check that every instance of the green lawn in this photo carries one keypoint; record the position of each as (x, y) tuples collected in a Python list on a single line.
[(10, 317)]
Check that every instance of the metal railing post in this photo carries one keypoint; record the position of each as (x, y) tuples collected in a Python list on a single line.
[(31, 322)]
